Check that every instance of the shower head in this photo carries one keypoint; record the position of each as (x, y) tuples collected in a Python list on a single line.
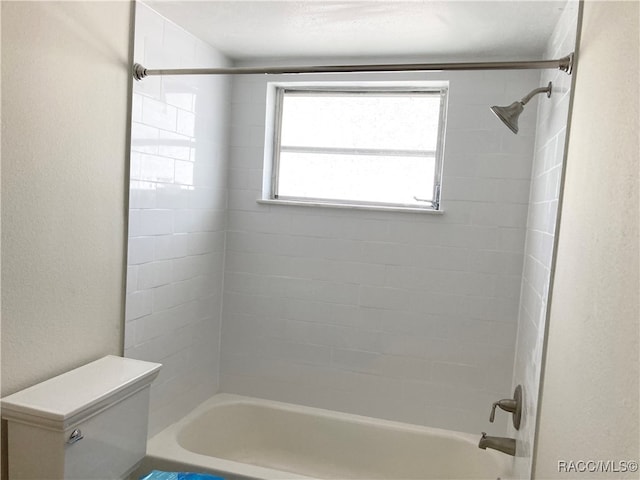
[(509, 115)]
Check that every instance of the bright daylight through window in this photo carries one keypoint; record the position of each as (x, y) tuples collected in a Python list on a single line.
[(360, 146)]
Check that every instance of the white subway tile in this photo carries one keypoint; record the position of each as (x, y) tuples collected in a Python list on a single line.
[(179, 46), (212, 220), (470, 189), (470, 236), (179, 92), (158, 114), (253, 304), (135, 165), (293, 352), (186, 122), (148, 23), (142, 195), (508, 286), (354, 360), (138, 305), (149, 327), (144, 138), (500, 165), (171, 246), (185, 221), (172, 197), (172, 295), (154, 274), (212, 175), (205, 242), (458, 374), (374, 386), (134, 223), (185, 268), (156, 222), (321, 312), (173, 145), (156, 169), (442, 258), (403, 344), (184, 173), (209, 198), (383, 297), (511, 239), (141, 250), (402, 367), (244, 200), (129, 337), (132, 278)]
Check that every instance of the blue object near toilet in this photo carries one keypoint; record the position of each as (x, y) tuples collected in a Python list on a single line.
[(159, 475)]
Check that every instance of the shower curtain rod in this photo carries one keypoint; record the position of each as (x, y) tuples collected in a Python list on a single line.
[(565, 64)]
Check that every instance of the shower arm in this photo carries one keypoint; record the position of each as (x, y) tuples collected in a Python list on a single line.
[(535, 92)]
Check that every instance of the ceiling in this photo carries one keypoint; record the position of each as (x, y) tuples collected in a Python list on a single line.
[(452, 30)]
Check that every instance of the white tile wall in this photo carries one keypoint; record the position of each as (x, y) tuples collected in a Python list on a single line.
[(177, 217), (541, 224), (402, 316)]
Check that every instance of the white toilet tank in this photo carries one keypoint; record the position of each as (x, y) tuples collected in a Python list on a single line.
[(89, 423)]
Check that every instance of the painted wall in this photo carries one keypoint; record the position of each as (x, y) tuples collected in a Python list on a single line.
[(590, 396), (63, 188), (541, 225), (402, 316), (177, 217), (65, 77)]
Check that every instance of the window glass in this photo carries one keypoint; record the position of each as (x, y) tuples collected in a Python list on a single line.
[(360, 146)]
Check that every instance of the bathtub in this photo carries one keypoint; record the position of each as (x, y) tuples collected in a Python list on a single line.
[(246, 438)]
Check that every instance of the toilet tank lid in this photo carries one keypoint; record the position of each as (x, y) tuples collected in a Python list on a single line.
[(75, 395)]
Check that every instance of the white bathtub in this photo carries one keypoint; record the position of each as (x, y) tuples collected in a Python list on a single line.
[(241, 437)]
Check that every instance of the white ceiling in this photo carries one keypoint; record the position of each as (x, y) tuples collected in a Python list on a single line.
[(452, 30)]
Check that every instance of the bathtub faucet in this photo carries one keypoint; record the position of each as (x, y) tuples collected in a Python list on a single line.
[(505, 445)]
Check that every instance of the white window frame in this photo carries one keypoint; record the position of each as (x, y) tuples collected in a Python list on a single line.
[(275, 98)]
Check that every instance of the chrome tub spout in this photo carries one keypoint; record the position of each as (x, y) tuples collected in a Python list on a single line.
[(504, 445)]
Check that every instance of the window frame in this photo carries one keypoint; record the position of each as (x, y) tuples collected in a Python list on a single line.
[(272, 154)]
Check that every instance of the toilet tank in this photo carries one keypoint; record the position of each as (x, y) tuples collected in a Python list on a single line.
[(89, 423)]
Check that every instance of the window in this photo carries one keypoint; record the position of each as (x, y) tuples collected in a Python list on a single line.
[(358, 145)]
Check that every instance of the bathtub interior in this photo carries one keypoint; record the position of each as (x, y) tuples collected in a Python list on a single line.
[(240, 437)]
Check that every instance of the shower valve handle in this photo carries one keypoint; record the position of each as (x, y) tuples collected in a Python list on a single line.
[(511, 405), (506, 404)]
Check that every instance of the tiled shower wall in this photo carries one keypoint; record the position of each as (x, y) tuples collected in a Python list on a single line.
[(177, 217), (402, 316), (541, 224)]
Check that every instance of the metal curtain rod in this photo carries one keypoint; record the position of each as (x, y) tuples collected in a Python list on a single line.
[(565, 64)]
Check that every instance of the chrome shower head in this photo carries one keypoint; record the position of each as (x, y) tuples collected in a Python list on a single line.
[(509, 115)]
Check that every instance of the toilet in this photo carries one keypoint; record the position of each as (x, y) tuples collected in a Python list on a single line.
[(89, 423)]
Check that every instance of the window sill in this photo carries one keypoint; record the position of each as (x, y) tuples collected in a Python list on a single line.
[(378, 208)]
